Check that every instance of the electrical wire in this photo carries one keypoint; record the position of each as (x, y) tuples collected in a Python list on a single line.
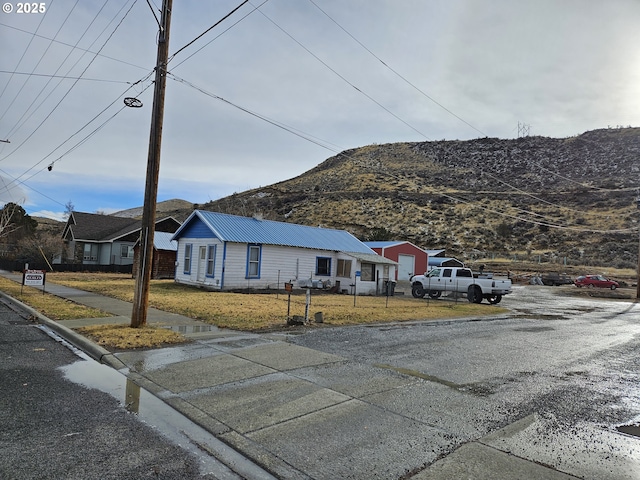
[(101, 55), (296, 132), (26, 49), (64, 77), (395, 72), (219, 35), (73, 85), (17, 95), (208, 30), (17, 180), (342, 77), (19, 122), (310, 139)]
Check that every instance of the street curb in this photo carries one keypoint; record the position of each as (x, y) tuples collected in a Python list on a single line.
[(92, 349)]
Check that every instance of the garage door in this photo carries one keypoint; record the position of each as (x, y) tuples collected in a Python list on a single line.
[(406, 266)]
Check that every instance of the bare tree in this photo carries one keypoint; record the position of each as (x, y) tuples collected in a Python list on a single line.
[(7, 222), (44, 246)]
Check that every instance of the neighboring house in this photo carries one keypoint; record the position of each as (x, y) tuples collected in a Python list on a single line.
[(224, 252), (164, 256), (94, 239), (412, 260), (437, 259)]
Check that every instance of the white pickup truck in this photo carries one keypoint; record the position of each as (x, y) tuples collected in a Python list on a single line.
[(461, 280)]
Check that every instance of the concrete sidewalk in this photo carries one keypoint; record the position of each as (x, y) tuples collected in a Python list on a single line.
[(299, 413)]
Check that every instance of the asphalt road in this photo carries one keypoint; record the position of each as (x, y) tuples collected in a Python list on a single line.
[(52, 428), (571, 362), (546, 384)]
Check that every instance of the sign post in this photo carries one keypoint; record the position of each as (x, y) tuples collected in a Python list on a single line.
[(355, 286), (288, 287)]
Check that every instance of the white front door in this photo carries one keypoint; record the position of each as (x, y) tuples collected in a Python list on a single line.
[(202, 263), (406, 266)]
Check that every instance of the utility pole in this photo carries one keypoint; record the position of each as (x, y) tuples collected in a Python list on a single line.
[(638, 277), (143, 279)]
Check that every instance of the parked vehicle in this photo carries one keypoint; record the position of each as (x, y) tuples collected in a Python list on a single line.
[(460, 280), (555, 279), (595, 281)]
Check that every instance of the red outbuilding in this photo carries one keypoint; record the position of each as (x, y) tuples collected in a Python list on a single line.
[(412, 260)]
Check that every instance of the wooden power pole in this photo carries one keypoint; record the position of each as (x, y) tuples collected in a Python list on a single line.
[(143, 279)]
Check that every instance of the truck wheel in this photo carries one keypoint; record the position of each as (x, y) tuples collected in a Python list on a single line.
[(417, 291), (494, 299), (474, 294), (435, 293)]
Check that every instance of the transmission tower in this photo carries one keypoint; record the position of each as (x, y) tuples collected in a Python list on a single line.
[(523, 130)]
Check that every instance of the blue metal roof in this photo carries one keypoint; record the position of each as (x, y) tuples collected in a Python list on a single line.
[(232, 228), (163, 241)]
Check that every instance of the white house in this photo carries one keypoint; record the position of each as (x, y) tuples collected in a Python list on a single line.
[(224, 252)]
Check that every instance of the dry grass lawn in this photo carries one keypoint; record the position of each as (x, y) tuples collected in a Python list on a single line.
[(50, 306), (263, 311), (124, 337)]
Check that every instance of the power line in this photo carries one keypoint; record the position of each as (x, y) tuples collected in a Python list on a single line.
[(292, 130), (323, 144), (17, 95), (64, 77), (17, 180), (218, 36), (70, 88), (342, 77), (75, 47), (387, 66), (208, 29)]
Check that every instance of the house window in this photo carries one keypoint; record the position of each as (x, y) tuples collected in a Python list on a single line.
[(211, 260), (187, 258), (344, 268), (90, 252), (323, 266), (253, 261), (126, 251), (368, 272)]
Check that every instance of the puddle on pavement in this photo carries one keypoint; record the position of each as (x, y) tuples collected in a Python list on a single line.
[(152, 411), (146, 361), (534, 329), (187, 329), (149, 410), (633, 430)]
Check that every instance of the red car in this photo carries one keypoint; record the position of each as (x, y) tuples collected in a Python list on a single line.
[(595, 281)]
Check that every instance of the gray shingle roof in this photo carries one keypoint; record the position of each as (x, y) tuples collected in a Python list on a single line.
[(92, 226)]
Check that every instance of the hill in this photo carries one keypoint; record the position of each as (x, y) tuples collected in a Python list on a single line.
[(176, 208), (569, 200)]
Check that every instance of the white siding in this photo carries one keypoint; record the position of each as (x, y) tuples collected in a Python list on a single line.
[(293, 265), (192, 277), (277, 264)]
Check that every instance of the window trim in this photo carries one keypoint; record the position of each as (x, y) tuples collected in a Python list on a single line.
[(371, 269), (258, 262), (342, 273), (211, 261), (187, 258), (129, 248), (328, 273)]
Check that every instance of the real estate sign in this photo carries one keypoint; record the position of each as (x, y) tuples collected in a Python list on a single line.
[(34, 278)]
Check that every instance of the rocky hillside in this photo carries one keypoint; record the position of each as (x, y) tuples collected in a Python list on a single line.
[(571, 199)]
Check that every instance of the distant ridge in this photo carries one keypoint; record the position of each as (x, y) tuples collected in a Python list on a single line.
[(566, 199), (176, 208)]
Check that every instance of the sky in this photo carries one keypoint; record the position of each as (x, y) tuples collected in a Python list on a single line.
[(279, 86)]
